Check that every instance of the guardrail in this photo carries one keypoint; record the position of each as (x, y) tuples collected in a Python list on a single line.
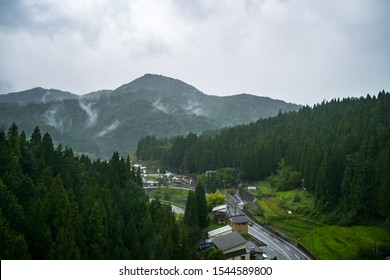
[(246, 195), (249, 198)]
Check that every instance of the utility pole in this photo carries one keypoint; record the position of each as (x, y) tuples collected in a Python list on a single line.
[(311, 233)]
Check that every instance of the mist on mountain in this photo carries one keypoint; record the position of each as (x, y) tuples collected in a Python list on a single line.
[(104, 121)]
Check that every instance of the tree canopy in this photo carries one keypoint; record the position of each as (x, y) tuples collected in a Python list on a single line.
[(55, 204), (339, 150)]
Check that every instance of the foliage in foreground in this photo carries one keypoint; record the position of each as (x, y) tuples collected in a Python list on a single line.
[(58, 205)]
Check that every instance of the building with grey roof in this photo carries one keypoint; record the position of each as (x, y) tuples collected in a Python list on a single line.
[(233, 246), (239, 223)]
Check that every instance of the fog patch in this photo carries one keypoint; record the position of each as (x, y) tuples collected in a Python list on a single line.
[(108, 129), (44, 97), (50, 118), (159, 105), (193, 107), (92, 114)]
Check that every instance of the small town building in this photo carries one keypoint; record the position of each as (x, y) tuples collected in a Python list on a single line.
[(152, 183), (219, 213), (219, 231), (254, 251), (233, 246), (239, 223), (141, 168)]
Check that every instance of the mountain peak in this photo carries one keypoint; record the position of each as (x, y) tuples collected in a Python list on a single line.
[(158, 83), (103, 121)]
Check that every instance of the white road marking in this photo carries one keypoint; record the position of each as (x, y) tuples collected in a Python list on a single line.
[(272, 243), (274, 238), (297, 256), (287, 247)]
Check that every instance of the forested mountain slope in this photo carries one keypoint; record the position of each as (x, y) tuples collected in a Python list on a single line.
[(341, 149), (101, 122), (57, 205)]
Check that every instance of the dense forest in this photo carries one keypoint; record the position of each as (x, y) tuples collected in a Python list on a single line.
[(55, 204), (339, 150)]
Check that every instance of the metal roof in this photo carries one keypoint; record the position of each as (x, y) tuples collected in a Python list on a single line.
[(228, 241), (219, 208), (219, 231), (240, 219)]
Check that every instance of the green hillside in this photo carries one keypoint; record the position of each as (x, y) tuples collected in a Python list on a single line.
[(61, 206), (115, 120), (339, 151)]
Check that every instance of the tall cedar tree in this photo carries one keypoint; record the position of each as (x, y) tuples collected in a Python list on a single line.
[(339, 148), (55, 204), (202, 206)]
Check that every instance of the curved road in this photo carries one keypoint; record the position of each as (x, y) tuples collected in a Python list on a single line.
[(276, 247)]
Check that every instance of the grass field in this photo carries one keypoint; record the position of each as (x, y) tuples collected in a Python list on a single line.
[(177, 196), (326, 241)]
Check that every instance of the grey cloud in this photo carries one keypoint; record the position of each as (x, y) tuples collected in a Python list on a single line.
[(283, 49), (196, 9), (49, 19), (12, 14), (20, 14)]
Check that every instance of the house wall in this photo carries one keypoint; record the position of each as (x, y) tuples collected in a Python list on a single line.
[(219, 217), (237, 253), (240, 228), (241, 257)]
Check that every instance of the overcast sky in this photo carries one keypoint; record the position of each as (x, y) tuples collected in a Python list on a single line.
[(301, 51)]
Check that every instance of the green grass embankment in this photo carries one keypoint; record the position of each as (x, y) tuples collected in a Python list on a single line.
[(326, 241)]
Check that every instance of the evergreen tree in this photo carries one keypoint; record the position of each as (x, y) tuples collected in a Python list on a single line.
[(65, 247), (58, 205), (201, 205), (191, 214), (316, 144), (96, 233), (13, 140), (213, 254), (12, 245), (191, 219)]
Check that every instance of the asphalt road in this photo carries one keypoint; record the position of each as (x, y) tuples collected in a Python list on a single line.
[(276, 247)]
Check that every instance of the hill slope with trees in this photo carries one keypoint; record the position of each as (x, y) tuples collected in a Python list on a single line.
[(339, 150), (115, 120), (55, 204)]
